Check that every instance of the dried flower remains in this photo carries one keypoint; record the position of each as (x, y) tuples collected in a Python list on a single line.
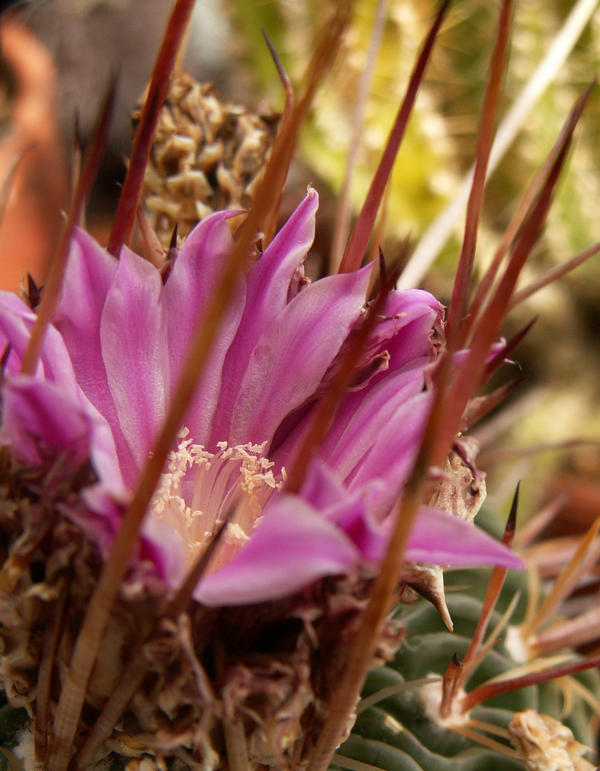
[(218, 474)]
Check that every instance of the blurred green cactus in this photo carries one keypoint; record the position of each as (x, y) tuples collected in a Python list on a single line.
[(440, 141)]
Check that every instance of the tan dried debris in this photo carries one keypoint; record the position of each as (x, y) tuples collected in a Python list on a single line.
[(207, 156), (547, 744)]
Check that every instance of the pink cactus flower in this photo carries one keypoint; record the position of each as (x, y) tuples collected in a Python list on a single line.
[(108, 369)]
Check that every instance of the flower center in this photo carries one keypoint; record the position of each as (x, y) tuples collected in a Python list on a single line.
[(198, 488)]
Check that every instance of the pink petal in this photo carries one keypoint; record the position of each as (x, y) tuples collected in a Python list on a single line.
[(357, 423), (443, 539), (364, 415), (293, 354), (89, 276), (268, 288), (16, 321), (409, 336), (167, 550), (38, 417), (292, 546), (187, 294), (359, 515), (392, 454), (437, 536), (134, 348), (270, 278), (322, 489)]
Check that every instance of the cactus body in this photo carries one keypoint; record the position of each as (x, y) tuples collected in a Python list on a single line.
[(396, 735)]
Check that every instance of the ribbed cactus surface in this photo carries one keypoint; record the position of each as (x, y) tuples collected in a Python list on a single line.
[(395, 734)]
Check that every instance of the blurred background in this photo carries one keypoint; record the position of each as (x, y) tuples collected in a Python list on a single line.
[(58, 55)]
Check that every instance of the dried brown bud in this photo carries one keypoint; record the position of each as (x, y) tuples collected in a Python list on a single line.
[(206, 156), (546, 744)]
